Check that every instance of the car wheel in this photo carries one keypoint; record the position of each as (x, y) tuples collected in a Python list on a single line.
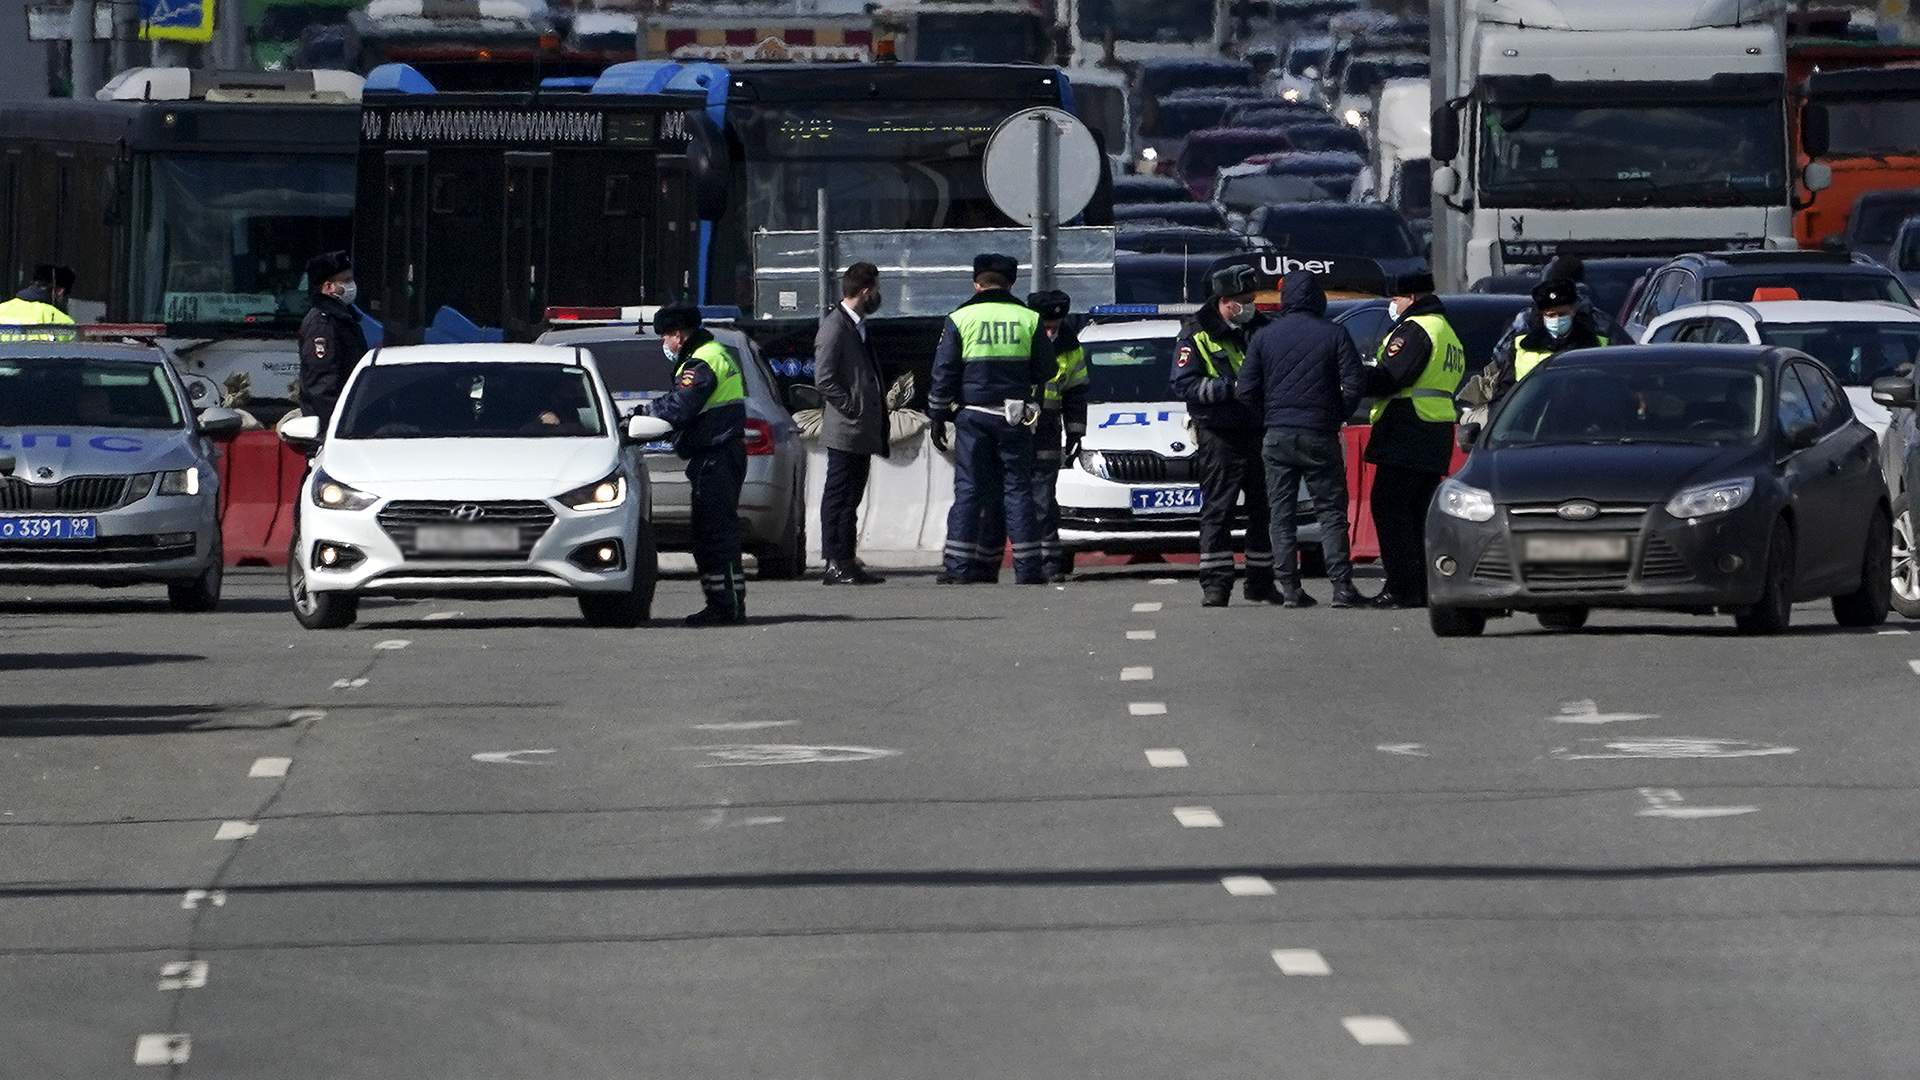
[(629, 609), (787, 559), (1905, 559), (1456, 622), (317, 610), (1571, 618), (1774, 610), (1867, 605), (203, 592)]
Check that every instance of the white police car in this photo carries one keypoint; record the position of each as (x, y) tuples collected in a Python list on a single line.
[(1134, 486), (106, 474)]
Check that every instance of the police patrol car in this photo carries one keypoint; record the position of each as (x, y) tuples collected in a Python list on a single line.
[(1134, 486), (106, 473)]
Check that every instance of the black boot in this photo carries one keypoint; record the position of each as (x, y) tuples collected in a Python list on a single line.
[(718, 613), (1293, 596), (1262, 591), (1346, 596), (864, 576), (1215, 595)]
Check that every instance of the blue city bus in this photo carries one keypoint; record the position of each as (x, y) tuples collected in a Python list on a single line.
[(477, 210)]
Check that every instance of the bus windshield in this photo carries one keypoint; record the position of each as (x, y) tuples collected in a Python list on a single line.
[(1183, 22), (225, 238)]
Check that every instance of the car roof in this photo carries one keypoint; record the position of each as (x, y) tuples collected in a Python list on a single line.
[(614, 331), (1130, 330), (1466, 301), (80, 350), (1757, 356), (1808, 311), (1841, 262), (479, 353)]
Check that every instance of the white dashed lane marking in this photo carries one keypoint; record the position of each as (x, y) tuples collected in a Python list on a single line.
[(349, 684), (183, 975), (1167, 759), (1164, 581), (393, 645), (1142, 635), (443, 616), (1376, 1031), (1146, 708), (269, 768), (1300, 962), (1135, 674), (1147, 607), (1247, 885), (194, 898), (1197, 817), (1915, 665), (1895, 631), (171, 1049), (235, 830)]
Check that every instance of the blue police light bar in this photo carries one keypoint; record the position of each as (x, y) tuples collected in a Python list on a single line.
[(1143, 309)]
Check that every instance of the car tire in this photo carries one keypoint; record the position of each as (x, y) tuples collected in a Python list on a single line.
[(317, 610), (1453, 622), (787, 559), (626, 610), (1868, 605), (1905, 560), (203, 592), (1773, 612), (1569, 618)]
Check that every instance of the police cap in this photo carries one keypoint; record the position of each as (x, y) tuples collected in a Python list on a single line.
[(63, 277), (1555, 292), (1052, 304), (676, 318), (1233, 281), (324, 268), (1001, 265), (1418, 283)]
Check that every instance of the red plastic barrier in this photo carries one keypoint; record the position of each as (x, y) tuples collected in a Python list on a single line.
[(1366, 542), (259, 478)]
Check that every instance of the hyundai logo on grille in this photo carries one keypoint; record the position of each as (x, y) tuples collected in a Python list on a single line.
[(1580, 510), (467, 512), (1179, 446)]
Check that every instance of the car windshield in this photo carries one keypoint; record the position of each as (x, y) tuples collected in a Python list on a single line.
[(1800, 283), (1129, 370), (73, 392), (471, 401), (1308, 62), (1863, 127), (1370, 236), (1556, 155), (1630, 403), (225, 238), (1856, 352), (1266, 189), (1173, 119)]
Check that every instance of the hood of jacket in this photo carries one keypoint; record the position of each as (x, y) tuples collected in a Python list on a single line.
[(1428, 304), (1301, 294)]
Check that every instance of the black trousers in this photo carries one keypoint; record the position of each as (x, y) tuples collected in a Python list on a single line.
[(1400, 500), (1229, 469), (716, 476), (840, 503)]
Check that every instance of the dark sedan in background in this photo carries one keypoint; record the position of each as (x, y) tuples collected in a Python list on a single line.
[(1703, 479)]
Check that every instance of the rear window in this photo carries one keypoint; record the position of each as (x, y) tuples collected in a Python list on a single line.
[(1805, 284)]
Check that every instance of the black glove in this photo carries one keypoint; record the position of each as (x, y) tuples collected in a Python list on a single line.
[(939, 432), (1073, 448)]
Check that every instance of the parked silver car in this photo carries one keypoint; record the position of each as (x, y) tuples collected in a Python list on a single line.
[(773, 509)]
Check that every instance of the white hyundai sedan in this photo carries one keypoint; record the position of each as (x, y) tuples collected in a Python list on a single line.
[(474, 471)]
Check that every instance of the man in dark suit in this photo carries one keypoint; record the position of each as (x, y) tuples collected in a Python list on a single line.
[(854, 426)]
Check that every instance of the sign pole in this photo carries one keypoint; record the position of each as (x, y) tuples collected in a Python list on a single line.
[(825, 226), (1046, 199)]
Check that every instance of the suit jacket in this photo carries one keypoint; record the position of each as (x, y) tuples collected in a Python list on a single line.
[(847, 374)]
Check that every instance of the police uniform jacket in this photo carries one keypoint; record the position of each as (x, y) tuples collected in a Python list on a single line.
[(331, 343), (963, 376), (1209, 390), (1400, 437), (700, 424)]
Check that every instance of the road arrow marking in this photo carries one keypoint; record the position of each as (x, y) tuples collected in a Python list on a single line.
[(1588, 712), (510, 757)]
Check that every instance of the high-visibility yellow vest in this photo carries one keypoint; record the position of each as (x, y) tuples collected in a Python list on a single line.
[(1432, 393), (1070, 373), (19, 312), (996, 331), (1525, 359), (731, 386), (1230, 356)]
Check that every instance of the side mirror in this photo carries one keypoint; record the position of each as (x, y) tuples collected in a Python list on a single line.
[(1814, 131), (802, 398), (1446, 181), (1802, 435), (645, 429), (1894, 391), (1445, 140), (219, 423), (1465, 436), (1818, 176), (301, 432)]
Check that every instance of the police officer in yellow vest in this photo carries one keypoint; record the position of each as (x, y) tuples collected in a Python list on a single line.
[(42, 303), (1063, 413), (1415, 372), (988, 370), (707, 408), (1559, 322)]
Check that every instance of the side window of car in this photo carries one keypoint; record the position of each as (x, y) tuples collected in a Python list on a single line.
[(1830, 409), (1794, 409), (1908, 257), (1673, 331), (1726, 332), (1366, 328), (1665, 290), (1688, 291)]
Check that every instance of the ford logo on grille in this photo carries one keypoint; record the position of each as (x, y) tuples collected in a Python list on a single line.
[(1580, 510), (467, 512)]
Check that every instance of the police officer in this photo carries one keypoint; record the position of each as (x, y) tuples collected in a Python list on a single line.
[(707, 408), (1063, 412), (1415, 372), (42, 303), (1207, 358), (1557, 322), (331, 341), (992, 359)]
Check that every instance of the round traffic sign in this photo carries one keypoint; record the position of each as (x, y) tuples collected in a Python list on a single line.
[(1012, 164)]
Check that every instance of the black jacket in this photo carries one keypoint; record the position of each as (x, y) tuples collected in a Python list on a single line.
[(1498, 377), (1400, 437), (696, 430), (331, 343), (1210, 401), (1302, 371)]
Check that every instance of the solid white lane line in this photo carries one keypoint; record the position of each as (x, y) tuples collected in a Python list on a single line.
[(1668, 803), (194, 898), (170, 1049), (269, 768), (393, 645), (1376, 1031), (1300, 962), (1895, 631), (1164, 581), (1136, 674), (744, 725), (1147, 606), (1146, 708), (183, 975), (1142, 635), (1197, 817), (1167, 759), (1247, 885), (302, 715), (235, 830)]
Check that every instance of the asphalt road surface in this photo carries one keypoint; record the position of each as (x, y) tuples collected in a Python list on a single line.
[(912, 832)]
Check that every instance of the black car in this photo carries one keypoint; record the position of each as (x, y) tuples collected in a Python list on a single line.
[(1200, 215), (1705, 479), (1760, 275)]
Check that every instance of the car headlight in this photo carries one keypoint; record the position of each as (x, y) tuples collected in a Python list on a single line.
[(1095, 462), (1715, 498), (1292, 94), (331, 494), (1465, 502), (600, 495), (180, 482), (1354, 118)]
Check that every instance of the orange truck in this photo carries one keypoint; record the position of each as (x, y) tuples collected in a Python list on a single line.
[(1862, 101)]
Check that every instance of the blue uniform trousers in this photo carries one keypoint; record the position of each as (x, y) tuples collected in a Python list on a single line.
[(993, 463)]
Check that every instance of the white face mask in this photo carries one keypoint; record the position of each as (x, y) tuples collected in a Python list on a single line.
[(1558, 325), (1397, 307), (349, 292), (1241, 314)]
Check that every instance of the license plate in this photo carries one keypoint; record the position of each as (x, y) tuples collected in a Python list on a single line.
[(657, 446), (1577, 548), (1166, 500), (46, 528), (466, 539)]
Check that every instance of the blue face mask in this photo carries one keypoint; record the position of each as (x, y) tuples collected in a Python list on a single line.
[(1558, 325)]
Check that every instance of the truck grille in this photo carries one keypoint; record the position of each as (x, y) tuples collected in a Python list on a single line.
[(74, 494), (401, 520), (1147, 467)]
